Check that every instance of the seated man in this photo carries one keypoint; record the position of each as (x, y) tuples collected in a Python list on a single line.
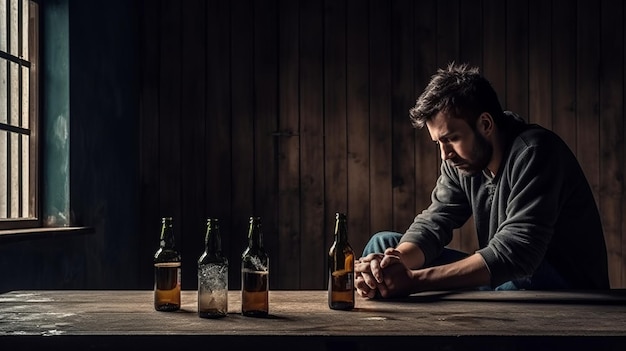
[(536, 219)]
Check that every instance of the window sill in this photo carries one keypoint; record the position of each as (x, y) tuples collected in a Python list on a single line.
[(14, 235)]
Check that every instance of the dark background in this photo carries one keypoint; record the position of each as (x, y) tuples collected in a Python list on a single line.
[(292, 110)]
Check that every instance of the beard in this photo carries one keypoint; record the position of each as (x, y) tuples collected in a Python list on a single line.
[(479, 158)]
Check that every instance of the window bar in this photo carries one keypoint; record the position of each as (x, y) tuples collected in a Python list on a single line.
[(10, 160), (20, 155), (32, 41), (14, 151), (7, 177)]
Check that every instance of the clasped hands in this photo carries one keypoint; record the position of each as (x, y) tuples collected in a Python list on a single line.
[(383, 275)]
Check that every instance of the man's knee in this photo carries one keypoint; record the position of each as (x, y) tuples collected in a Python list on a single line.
[(381, 241)]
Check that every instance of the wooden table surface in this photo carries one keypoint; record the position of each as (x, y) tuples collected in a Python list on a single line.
[(102, 319)]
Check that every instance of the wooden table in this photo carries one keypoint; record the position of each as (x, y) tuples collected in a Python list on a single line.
[(485, 320)]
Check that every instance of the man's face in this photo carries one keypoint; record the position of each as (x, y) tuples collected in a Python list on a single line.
[(460, 145)]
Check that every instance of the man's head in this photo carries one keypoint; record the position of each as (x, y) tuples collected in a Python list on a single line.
[(461, 111), (458, 90)]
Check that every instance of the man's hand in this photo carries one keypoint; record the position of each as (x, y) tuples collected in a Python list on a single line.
[(397, 278), (368, 275), (383, 274)]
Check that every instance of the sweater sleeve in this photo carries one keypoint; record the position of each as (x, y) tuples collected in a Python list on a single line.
[(527, 208), (432, 229)]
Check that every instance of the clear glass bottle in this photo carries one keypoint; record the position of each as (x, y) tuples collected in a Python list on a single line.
[(167, 270), (341, 268), (212, 274), (255, 273)]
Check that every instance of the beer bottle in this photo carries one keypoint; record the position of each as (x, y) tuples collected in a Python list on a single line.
[(255, 273), (341, 268), (212, 274), (167, 270)]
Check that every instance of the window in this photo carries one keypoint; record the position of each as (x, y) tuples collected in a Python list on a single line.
[(19, 114)]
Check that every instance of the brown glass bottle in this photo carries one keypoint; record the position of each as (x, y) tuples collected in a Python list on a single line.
[(255, 273), (167, 270), (212, 274), (341, 268)]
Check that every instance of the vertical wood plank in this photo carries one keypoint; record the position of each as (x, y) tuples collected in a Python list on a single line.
[(470, 32), (288, 138), (427, 160), (448, 51), (403, 135), (217, 145), (622, 200), (265, 125), (448, 36), (242, 137), (357, 57), (622, 139), (193, 205), (471, 52), (539, 63), (494, 46), (149, 159), (564, 71), (169, 119), (587, 91), (335, 133), (517, 57), (312, 244), (380, 116), (612, 131)]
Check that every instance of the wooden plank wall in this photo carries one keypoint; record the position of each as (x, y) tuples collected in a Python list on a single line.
[(294, 109)]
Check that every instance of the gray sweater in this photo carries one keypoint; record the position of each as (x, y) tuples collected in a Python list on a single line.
[(539, 206)]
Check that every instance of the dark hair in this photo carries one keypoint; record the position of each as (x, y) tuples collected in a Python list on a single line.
[(459, 90)]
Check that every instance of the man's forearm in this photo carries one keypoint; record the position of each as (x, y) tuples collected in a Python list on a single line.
[(467, 273), (411, 255)]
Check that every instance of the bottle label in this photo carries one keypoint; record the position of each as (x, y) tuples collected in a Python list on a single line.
[(350, 281), (342, 280), (167, 264), (177, 265)]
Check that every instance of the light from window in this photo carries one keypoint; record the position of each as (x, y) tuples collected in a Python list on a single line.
[(19, 198)]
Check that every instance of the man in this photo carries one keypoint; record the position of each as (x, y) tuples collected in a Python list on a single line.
[(537, 223)]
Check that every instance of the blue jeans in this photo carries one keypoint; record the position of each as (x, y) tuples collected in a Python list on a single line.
[(544, 278)]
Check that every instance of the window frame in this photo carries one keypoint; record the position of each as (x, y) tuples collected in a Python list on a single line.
[(34, 219)]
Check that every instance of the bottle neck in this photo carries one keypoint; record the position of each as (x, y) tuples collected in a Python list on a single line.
[(167, 235), (255, 235), (341, 231), (213, 240)]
